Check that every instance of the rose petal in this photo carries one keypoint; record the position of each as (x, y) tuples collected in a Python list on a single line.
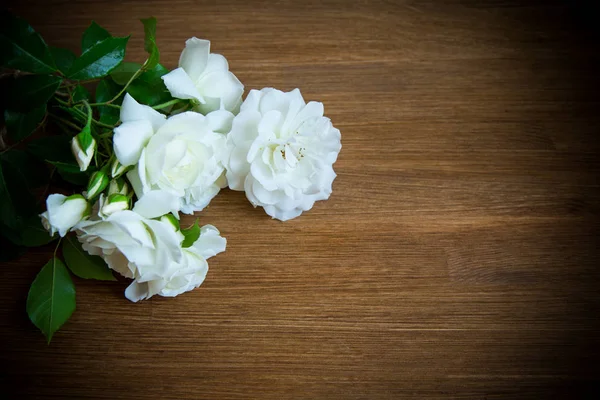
[(245, 127), (181, 86), (156, 203), (263, 173), (216, 62), (221, 85), (129, 140), (194, 57), (131, 110), (137, 291), (312, 110), (282, 215), (210, 242), (252, 101), (220, 121)]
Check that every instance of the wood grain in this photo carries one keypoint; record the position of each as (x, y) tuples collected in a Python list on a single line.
[(457, 257)]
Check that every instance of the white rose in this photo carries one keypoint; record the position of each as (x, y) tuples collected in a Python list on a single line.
[(138, 124), (149, 251), (178, 161), (187, 274), (64, 212), (204, 77), (281, 152)]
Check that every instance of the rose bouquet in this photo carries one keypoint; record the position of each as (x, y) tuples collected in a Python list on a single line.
[(147, 145)]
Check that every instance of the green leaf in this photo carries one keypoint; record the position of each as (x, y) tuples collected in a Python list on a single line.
[(153, 76), (56, 150), (51, 299), (93, 35), (191, 234), (83, 264), (123, 73), (31, 234), (28, 169), (15, 199), (20, 125), (105, 91), (34, 234), (31, 91), (52, 148), (63, 58), (8, 212), (100, 59), (8, 249), (80, 93), (22, 48), (71, 172), (149, 88), (150, 42)]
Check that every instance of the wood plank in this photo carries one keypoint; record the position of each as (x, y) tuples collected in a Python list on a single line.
[(457, 257)]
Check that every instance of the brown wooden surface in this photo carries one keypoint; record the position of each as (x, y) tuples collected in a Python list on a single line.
[(456, 257)]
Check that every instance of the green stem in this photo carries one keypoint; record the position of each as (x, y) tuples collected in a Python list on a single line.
[(182, 109), (68, 84), (81, 113), (106, 144), (105, 134), (137, 73), (105, 105), (64, 121), (89, 116), (10, 147), (64, 103), (166, 104), (89, 112), (102, 124)]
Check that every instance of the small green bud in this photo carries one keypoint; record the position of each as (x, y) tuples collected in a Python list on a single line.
[(171, 220), (98, 182), (118, 186), (114, 203), (117, 169), (83, 146)]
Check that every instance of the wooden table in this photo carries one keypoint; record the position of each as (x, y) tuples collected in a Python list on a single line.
[(457, 257)]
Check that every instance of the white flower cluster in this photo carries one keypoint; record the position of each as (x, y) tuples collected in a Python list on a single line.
[(274, 146)]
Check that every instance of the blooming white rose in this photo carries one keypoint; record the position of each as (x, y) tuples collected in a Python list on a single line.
[(204, 77), (62, 212), (178, 161), (149, 251), (281, 152), (187, 274)]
